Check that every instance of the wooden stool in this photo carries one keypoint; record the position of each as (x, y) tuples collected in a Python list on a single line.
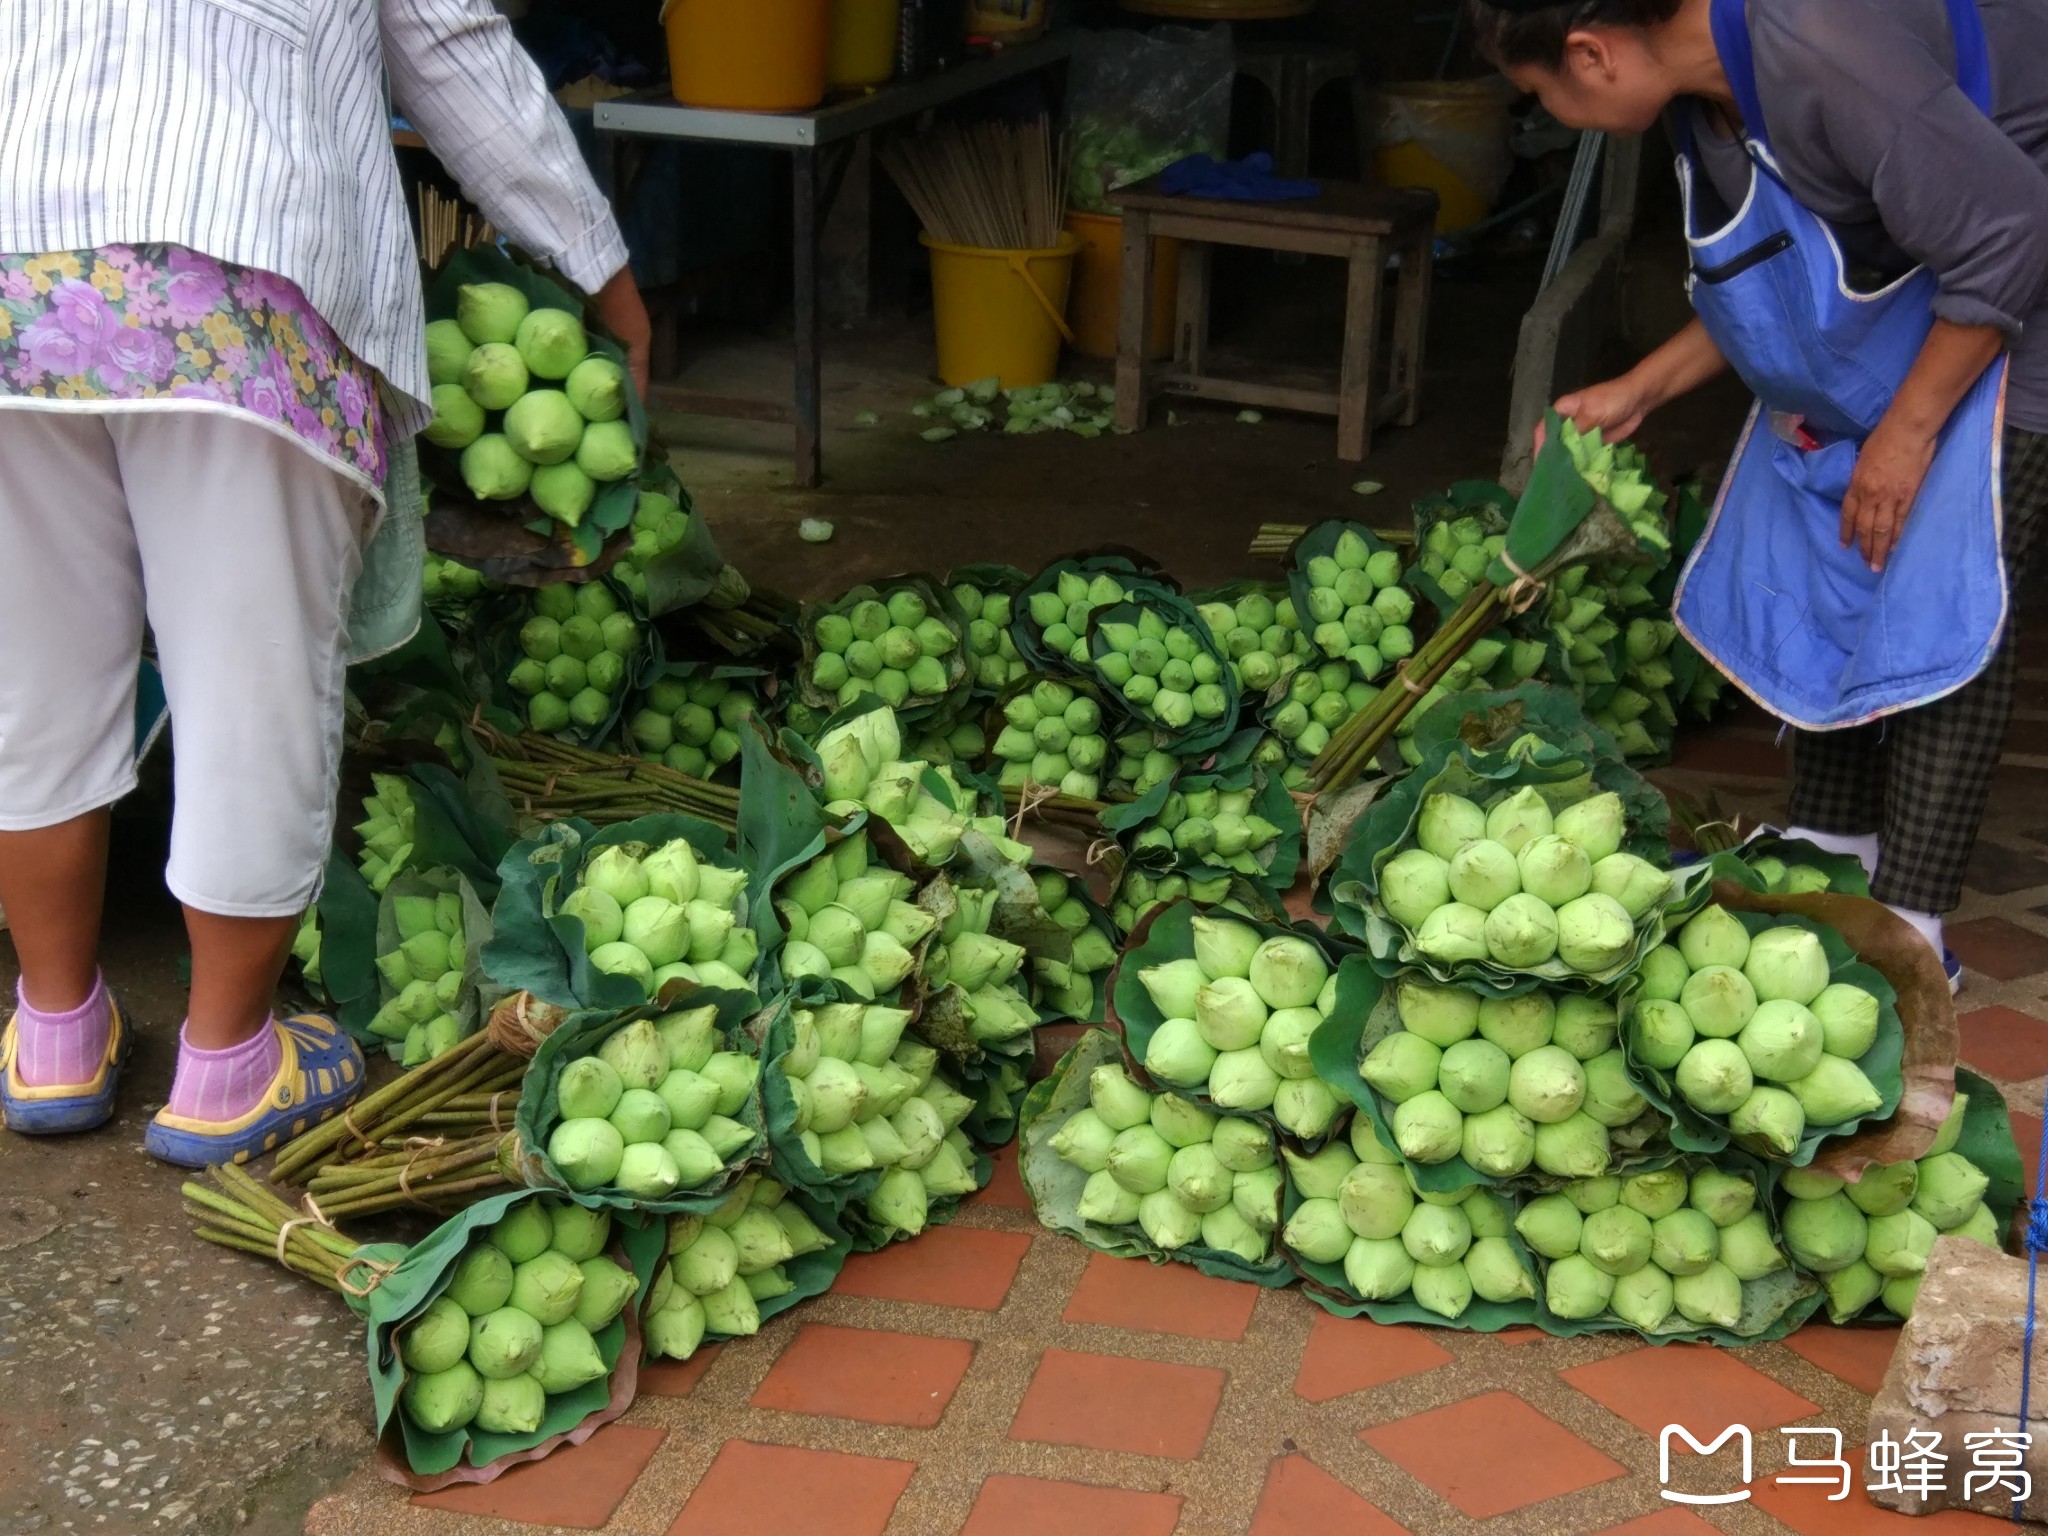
[(1363, 225)]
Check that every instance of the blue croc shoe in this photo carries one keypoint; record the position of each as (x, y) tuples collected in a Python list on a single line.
[(63, 1107), (1953, 969), (320, 1071)]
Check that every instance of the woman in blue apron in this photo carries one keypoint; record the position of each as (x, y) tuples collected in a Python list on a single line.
[(1866, 204)]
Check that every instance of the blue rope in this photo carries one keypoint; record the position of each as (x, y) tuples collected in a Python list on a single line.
[(2037, 1244)]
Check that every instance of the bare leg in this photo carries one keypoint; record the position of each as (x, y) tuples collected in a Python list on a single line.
[(236, 962), (53, 883)]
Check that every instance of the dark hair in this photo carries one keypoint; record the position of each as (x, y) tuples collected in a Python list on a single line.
[(1522, 32)]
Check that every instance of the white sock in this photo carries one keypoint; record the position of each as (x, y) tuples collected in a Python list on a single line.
[(1862, 849), (1928, 924)]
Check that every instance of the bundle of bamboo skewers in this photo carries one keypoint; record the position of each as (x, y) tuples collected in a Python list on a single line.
[(447, 224), (548, 780), (990, 185)]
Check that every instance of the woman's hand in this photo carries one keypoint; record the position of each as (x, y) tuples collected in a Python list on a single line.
[(1881, 492), (619, 306), (1616, 407)]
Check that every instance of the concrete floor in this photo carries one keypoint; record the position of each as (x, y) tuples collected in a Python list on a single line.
[(156, 1384)]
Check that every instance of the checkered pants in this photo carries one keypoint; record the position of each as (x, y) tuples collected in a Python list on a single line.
[(1919, 778)]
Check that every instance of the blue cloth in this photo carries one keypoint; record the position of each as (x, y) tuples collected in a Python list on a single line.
[(1250, 180), (1770, 596)]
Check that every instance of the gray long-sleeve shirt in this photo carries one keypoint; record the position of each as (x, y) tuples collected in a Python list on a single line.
[(1872, 133)]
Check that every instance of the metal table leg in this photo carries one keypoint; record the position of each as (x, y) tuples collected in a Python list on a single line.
[(804, 178)]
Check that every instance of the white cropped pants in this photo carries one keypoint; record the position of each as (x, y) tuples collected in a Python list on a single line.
[(239, 546)]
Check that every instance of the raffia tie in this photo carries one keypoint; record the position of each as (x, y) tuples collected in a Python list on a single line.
[(314, 1217), (1029, 799), (1524, 591)]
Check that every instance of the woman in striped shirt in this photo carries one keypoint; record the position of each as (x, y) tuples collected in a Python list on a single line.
[(210, 336)]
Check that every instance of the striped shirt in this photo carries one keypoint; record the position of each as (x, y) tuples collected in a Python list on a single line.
[(257, 132)]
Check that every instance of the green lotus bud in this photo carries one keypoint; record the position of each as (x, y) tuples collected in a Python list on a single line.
[(1242, 1145), (1320, 1176), (1551, 1225), (1611, 1096), (1496, 1272), (734, 1074), (1782, 1039), (1197, 1180), (1499, 1142), (1553, 870), (1725, 1198), (458, 420), (1715, 1077), (481, 1282), (1618, 1240), (493, 471), (1719, 1001), (552, 343), (1521, 932), (448, 352), (1664, 974), (547, 1287), (1378, 1269), (1850, 1289), (514, 1406), (1307, 1107), (647, 1171), (607, 452), (1441, 1015), (1436, 1236), (597, 388), (1518, 1025), (1453, 934), (1446, 1291), (1401, 1066), (444, 1400), (1168, 1223), (1547, 1085), (1747, 1248), (760, 1241), (543, 427), (1594, 1193), (1230, 1013), (1714, 937), (1786, 963), (1106, 1202), (1848, 1020), (1655, 1194), (1712, 1297), (1242, 1080), (1519, 818), (1685, 1242), (732, 1312), (1824, 1235), (1447, 823), (1576, 1289), (1594, 933), (1900, 1294), (1836, 1091), (1224, 948), (1375, 1201), (1255, 1195), (1120, 1102), (1473, 1075), (1428, 1128), (1949, 1189), (641, 1115), (708, 1263), (522, 1233), (1285, 1038), (438, 1338), (691, 1037), (1173, 985), (1483, 874), (1596, 825), (1810, 1184), (1584, 1025), (1138, 1159), (1635, 884), (495, 376), (1288, 972), (673, 1332), (1979, 1226), (1181, 1122), (637, 1053), (1084, 1140), (1661, 1033), (697, 1158), (1576, 1148), (489, 311), (587, 1153), (617, 873), (503, 1343), (1228, 1232), (1642, 1298)]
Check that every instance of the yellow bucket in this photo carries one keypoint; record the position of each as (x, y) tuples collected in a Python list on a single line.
[(1448, 135), (748, 55), (1095, 308), (1000, 313), (863, 50)]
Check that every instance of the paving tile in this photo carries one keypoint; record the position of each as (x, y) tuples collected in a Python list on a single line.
[(1859, 1356), (2004, 1043), (866, 1374), (754, 1488), (1350, 1354), (1704, 1388), (675, 1378), (1004, 1187), (1999, 948), (1806, 1508), (1753, 757), (1301, 1499), (1665, 1522), (1490, 1454), (2026, 1135), (1049, 1042), (1106, 1403), (1038, 1506), (1161, 1298), (1997, 870), (578, 1486), (948, 1266)]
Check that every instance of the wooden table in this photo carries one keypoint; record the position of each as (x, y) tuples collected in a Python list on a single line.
[(1361, 225), (808, 137)]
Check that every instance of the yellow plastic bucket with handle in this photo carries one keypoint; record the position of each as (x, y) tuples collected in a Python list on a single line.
[(1448, 135), (1095, 307), (1000, 314), (863, 50), (748, 55)]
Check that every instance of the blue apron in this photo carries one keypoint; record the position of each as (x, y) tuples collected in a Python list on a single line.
[(1770, 596)]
